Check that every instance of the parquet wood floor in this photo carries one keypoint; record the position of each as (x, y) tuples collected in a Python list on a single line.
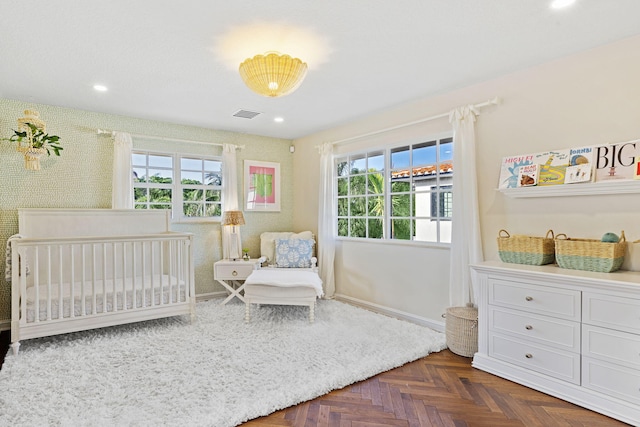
[(440, 390)]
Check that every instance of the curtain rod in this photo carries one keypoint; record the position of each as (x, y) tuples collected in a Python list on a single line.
[(161, 138), (494, 101)]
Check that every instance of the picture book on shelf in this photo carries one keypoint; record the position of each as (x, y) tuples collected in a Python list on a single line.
[(510, 170), (616, 161), (553, 166), (528, 175), (580, 165)]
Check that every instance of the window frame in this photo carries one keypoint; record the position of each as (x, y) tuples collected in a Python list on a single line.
[(441, 189), (177, 187)]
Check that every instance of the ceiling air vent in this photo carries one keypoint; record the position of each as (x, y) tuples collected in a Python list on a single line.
[(245, 114)]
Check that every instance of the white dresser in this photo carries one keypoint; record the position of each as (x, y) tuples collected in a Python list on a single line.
[(569, 333)]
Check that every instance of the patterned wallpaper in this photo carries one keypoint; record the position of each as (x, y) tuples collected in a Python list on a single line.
[(81, 177)]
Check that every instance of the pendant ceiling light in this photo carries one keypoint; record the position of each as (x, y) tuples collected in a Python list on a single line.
[(273, 74)]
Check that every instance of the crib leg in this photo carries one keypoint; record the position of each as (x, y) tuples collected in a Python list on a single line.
[(247, 310), (15, 347)]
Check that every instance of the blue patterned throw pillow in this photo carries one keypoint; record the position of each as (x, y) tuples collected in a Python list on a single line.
[(294, 253)]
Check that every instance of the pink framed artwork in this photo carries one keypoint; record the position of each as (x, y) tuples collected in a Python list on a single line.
[(261, 186)]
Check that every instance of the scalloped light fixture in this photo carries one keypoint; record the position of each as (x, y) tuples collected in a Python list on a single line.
[(273, 74)]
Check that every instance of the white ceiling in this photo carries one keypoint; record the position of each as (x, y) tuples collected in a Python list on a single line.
[(164, 59)]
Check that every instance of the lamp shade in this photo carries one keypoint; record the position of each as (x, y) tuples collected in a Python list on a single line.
[(273, 74), (232, 218)]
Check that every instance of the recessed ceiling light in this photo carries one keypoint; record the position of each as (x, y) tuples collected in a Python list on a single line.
[(560, 4), (278, 120), (100, 88)]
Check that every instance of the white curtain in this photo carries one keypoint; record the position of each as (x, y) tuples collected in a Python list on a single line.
[(122, 184), (466, 243), (326, 221), (230, 198)]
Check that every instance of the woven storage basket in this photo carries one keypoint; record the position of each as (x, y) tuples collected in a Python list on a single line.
[(526, 249), (461, 328), (590, 254)]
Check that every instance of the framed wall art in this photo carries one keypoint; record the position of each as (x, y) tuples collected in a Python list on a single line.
[(261, 186)]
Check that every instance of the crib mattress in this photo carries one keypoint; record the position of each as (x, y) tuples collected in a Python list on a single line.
[(130, 294)]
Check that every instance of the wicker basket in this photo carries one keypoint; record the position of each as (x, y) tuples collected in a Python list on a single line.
[(461, 327), (526, 249), (589, 254)]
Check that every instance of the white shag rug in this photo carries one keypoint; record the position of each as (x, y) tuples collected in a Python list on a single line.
[(217, 371)]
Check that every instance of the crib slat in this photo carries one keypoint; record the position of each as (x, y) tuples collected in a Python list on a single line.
[(49, 282), (93, 279), (104, 278), (36, 282), (60, 290), (72, 298), (82, 280), (152, 273), (22, 254), (124, 271), (114, 294), (143, 273), (170, 299)]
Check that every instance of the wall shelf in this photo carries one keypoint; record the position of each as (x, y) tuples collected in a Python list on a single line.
[(567, 190)]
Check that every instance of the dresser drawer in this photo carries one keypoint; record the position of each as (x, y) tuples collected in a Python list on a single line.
[(612, 380), (611, 346), (553, 362), (558, 333), (612, 312), (239, 271), (562, 303)]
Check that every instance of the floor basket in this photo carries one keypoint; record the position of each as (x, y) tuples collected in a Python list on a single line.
[(530, 250), (461, 327), (589, 254)]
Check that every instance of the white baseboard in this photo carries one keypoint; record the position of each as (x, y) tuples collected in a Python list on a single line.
[(211, 295), (392, 312), (5, 325)]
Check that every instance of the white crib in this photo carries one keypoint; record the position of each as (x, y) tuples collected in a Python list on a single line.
[(78, 269)]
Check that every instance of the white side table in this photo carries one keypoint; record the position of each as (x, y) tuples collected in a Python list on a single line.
[(234, 272)]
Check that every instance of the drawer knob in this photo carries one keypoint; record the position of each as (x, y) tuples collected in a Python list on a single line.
[(234, 273), (529, 298), (528, 327), (528, 355)]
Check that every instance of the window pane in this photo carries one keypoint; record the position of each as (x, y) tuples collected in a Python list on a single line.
[(160, 161), (401, 229), (357, 184), (426, 204), (343, 186), (358, 227), (213, 166), (424, 154), (446, 150), (375, 228), (192, 209), (376, 161), (376, 206), (213, 195), (138, 159), (401, 205), (213, 209), (191, 177), (342, 168), (159, 206), (400, 186), (400, 158), (192, 164), (140, 194), (375, 183), (358, 206), (213, 178), (160, 176), (139, 175), (160, 195), (191, 194), (343, 206), (358, 164), (343, 227), (426, 230)]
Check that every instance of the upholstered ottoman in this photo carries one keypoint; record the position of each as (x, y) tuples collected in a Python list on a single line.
[(282, 286)]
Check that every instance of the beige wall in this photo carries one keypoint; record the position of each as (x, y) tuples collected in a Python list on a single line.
[(81, 177), (586, 99)]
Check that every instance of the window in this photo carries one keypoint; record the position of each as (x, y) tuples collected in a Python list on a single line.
[(189, 185), (401, 193)]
